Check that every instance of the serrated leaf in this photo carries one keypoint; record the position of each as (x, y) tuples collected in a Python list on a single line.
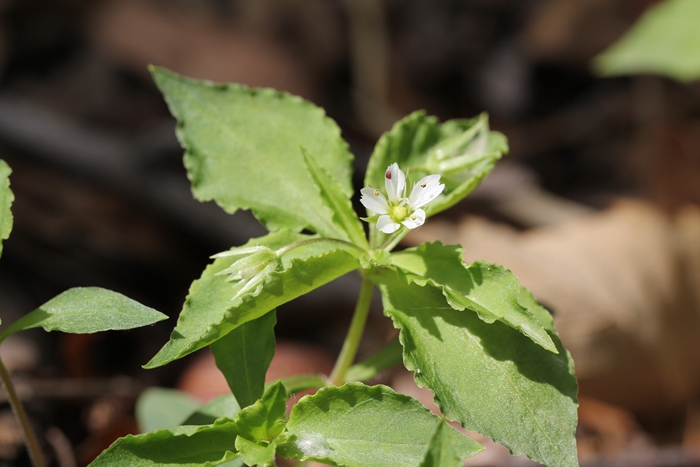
[(264, 419), (665, 41), (333, 197), (254, 453), (489, 377), (440, 452), (244, 355), (490, 290), (84, 310), (158, 408), (359, 426), (242, 151), (463, 152), (224, 406), (182, 446), (6, 199), (209, 313)]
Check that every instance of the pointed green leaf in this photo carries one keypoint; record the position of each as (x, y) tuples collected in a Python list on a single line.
[(182, 446), (244, 355), (463, 152), (210, 313), (664, 41), (6, 199), (264, 420), (333, 197), (242, 151), (158, 408), (490, 290), (256, 453), (441, 453), (489, 377), (224, 406), (358, 426), (87, 310)]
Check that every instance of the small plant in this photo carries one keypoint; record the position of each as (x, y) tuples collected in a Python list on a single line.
[(469, 332)]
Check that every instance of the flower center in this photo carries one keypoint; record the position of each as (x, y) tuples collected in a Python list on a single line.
[(398, 212)]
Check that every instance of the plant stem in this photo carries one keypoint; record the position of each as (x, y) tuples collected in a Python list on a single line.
[(352, 340), (35, 454)]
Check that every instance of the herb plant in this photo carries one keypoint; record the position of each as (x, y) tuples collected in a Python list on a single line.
[(469, 332)]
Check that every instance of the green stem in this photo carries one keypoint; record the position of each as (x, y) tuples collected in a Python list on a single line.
[(30, 440), (352, 340)]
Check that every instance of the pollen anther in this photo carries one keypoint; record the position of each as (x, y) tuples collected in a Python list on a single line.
[(423, 185), (376, 192)]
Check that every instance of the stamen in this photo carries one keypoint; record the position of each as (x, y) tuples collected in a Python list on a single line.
[(413, 217), (388, 174), (422, 185), (376, 192)]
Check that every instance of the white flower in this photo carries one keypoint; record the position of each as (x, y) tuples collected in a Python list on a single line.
[(250, 271), (399, 210)]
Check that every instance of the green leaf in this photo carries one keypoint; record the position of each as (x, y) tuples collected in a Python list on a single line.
[(664, 41), (297, 383), (259, 424), (210, 313), (441, 453), (183, 446), (333, 197), (244, 355), (387, 357), (490, 290), (463, 152), (264, 420), (87, 310), (254, 453), (158, 408), (489, 377), (6, 199), (358, 426), (242, 151), (224, 406)]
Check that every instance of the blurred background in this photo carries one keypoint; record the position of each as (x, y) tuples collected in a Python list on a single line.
[(595, 208)]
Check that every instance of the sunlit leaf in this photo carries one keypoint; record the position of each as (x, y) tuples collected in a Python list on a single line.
[(359, 426), (489, 377), (6, 199), (214, 307), (490, 290), (182, 446), (664, 41), (84, 310), (242, 150)]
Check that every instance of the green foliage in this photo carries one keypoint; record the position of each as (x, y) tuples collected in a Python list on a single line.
[(441, 452), (159, 408), (470, 333), (183, 446), (358, 426), (664, 41), (243, 151), (490, 290), (244, 355), (224, 406), (6, 199), (214, 308), (87, 310), (489, 377), (463, 152), (259, 425)]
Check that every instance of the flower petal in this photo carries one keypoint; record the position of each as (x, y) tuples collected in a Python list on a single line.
[(415, 220), (374, 200), (426, 190), (387, 225), (395, 182)]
